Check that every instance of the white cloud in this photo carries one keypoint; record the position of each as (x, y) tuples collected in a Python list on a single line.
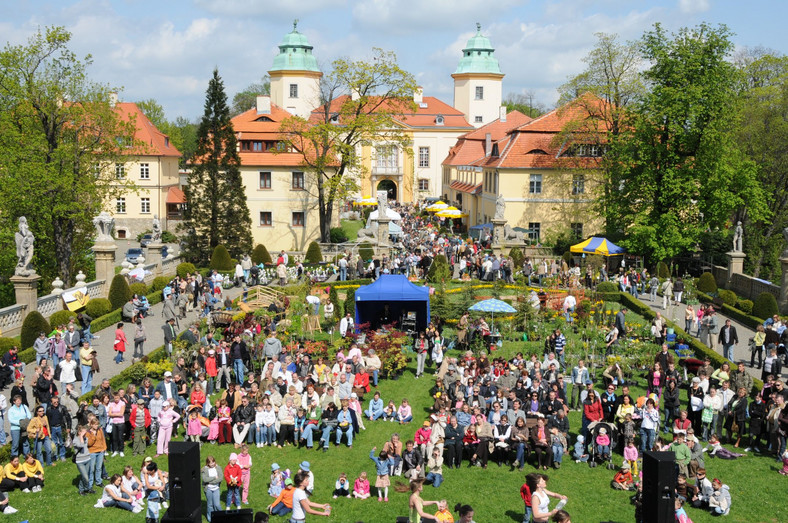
[(691, 7), (277, 9)]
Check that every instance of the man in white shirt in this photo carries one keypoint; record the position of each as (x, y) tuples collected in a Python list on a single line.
[(345, 324), (569, 307), (68, 367), (314, 301)]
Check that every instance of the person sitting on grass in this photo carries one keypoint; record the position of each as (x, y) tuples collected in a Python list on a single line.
[(623, 478), (34, 472), (375, 409), (718, 451), (361, 486), (283, 504), (113, 496), (581, 453)]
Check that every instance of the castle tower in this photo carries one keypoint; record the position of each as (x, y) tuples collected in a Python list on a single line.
[(295, 77), (478, 81)]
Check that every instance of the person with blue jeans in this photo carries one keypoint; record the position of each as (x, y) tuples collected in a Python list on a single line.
[(86, 355), (649, 426), (59, 422), (375, 409), (435, 468), (97, 445), (16, 413), (558, 442), (728, 338), (212, 480), (39, 431), (82, 460), (329, 421), (345, 420)]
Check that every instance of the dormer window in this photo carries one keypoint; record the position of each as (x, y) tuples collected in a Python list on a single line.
[(439, 120), (335, 118)]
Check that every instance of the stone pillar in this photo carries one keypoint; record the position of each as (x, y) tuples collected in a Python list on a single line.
[(383, 231), (154, 256), (498, 234), (783, 302), (735, 264), (26, 290), (105, 263)]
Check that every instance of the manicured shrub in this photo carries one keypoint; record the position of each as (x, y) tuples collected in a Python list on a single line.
[(185, 268), (260, 255), (98, 307), (33, 325), (728, 297), (313, 253), (765, 306), (334, 298), (707, 283), (7, 343), (517, 258), (60, 318), (439, 270), (568, 258), (119, 292), (350, 302), (337, 235), (663, 271), (365, 251), (220, 259), (745, 306), (607, 286), (138, 288), (159, 282)]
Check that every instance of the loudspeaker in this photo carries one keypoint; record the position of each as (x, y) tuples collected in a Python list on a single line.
[(185, 498), (245, 515), (659, 487)]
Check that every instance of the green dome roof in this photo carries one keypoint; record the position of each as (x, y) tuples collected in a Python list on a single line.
[(478, 57), (295, 53)]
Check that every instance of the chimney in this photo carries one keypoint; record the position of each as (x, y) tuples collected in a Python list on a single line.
[(487, 144), (263, 105), (418, 95), (503, 113), (354, 94), (113, 99)]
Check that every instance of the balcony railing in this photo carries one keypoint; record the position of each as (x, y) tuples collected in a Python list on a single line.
[(386, 169)]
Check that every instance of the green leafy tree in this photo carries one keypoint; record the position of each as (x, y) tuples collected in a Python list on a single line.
[(216, 210), (440, 306), (313, 254), (119, 292), (329, 142), (682, 171), (439, 271), (60, 138), (350, 302), (524, 103), (246, 99), (260, 255)]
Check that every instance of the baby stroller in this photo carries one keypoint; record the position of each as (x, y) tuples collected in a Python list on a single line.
[(596, 429)]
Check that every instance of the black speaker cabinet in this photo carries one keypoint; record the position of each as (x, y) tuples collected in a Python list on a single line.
[(245, 515), (185, 498), (659, 487)]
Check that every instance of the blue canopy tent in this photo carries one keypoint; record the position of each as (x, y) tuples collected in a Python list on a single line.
[(476, 231), (390, 298)]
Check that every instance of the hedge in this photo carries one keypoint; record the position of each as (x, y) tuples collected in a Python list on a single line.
[(740, 316)]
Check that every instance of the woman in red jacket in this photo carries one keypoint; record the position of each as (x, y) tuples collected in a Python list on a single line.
[(592, 409), (361, 381), (210, 370), (120, 343)]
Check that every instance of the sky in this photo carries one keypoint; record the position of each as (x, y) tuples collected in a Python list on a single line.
[(167, 49)]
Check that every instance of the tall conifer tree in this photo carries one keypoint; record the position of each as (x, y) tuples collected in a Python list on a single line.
[(216, 210)]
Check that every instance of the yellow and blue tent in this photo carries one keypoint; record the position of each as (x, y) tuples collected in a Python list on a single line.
[(596, 245)]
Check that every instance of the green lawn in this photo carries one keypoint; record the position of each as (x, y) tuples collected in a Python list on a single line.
[(351, 228), (756, 487)]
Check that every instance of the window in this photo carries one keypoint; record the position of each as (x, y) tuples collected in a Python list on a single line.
[(590, 150), (478, 119), (265, 180), (298, 219), (144, 171), (120, 171), (386, 158), (536, 229), (424, 156), (145, 205), (266, 219), (535, 185), (120, 205), (293, 90), (578, 184), (577, 230), (257, 146), (298, 181), (424, 185), (479, 92)]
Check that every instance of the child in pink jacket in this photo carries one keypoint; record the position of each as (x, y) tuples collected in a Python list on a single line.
[(167, 420), (361, 486)]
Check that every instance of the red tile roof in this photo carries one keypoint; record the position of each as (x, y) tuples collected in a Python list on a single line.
[(466, 187), (250, 125), (175, 195), (470, 146), (424, 115), (155, 142)]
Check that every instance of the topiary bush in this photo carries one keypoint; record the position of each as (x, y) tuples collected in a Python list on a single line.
[(607, 286), (119, 292), (159, 282), (260, 255), (707, 283), (745, 306), (728, 297), (663, 271), (568, 258), (765, 306), (334, 298), (33, 325), (6, 344), (350, 302), (439, 271), (337, 235), (517, 258), (220, 259), (313, 253), (365, 251), (98, 307), (61, 318), (138, 288), (184, 269)]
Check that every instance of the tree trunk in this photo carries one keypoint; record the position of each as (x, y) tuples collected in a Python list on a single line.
[(63, 230)]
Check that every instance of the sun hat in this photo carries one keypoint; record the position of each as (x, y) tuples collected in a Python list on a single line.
[(288, 481), (625, 466), (148, 459), (602, 430), (304, 466), (233, 456), (274, 466)]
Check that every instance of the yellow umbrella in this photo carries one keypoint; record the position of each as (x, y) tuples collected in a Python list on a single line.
[(368, 200), (451, 213), (435, 207)]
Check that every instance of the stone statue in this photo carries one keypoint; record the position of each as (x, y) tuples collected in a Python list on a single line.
[(367, 232), (156, 229), (497, 240), (24, 249), (383, 203), (737, 237), (104, 223), (500, 207), (510, 234), (785, 236)]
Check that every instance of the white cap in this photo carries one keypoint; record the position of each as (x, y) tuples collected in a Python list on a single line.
[(168, 373)]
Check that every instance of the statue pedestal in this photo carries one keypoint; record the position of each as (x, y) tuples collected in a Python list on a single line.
[(383, 231), (783, 301), (154, 256), (26, 290), (105, 263), (735, 263), (498, 235)]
